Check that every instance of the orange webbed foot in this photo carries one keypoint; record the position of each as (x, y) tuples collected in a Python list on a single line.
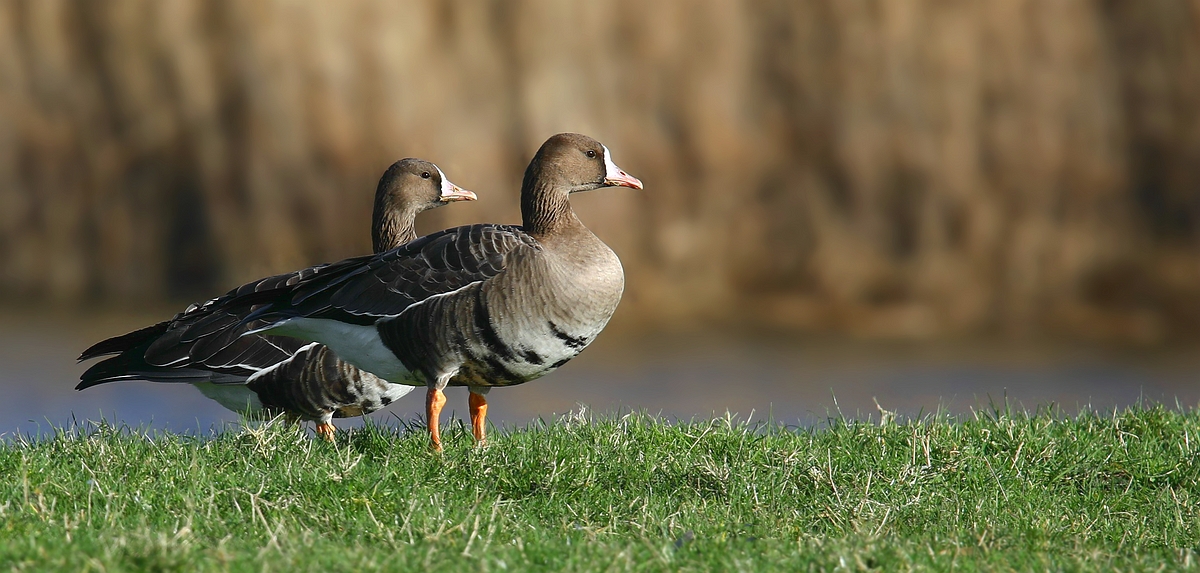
[(327, 431)]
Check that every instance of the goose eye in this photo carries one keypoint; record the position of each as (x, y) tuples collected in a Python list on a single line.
[(424, 175), (591, 153)]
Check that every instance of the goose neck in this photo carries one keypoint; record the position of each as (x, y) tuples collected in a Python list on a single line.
[(546, 210), (391, 228)]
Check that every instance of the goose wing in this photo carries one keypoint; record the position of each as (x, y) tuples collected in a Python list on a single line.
[(202, 343), (210, 335), (365, 289)]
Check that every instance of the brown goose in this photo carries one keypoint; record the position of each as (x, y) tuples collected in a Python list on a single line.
[(477, 306), (204, 345)]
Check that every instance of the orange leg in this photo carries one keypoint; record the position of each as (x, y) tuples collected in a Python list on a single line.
[(434, 400), (478, 415), (326, 431)]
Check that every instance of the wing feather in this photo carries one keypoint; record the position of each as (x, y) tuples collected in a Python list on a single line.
[(208, 341), (365, 289), (203, 343)]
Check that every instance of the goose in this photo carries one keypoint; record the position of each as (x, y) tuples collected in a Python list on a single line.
[(203, 345), (479, 306)]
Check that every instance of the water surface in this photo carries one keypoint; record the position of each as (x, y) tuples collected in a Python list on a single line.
[(794, 380)]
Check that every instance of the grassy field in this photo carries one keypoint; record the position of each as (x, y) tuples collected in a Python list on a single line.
[(995, 490)]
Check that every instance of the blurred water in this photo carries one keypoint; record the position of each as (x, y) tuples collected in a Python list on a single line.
[(680, 375)]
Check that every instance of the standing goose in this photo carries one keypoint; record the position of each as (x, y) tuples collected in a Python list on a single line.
[(204, 345), (477, 306)]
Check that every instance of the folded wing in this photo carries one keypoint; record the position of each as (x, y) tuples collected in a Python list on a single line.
[(201, 344), (365, 289)]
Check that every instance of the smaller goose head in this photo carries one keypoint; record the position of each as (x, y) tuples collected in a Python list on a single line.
[(566, 163), (407, 188)]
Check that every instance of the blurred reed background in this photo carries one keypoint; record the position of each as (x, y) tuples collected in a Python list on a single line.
[(891, 168)]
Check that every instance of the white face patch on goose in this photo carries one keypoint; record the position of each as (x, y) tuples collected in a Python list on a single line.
[(448, 188), (611, 171)]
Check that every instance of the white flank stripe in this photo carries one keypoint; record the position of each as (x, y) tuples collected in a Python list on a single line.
[(358, 345)]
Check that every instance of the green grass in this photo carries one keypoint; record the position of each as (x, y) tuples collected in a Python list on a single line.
[(989, 491)]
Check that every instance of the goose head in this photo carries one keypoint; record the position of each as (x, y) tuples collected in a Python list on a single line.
[(407, 188), (572, 162)]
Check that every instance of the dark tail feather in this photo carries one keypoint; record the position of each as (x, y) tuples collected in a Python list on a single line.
[(125, 342), (110, 370), (127, 367), (119, 344), (131, 358)]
